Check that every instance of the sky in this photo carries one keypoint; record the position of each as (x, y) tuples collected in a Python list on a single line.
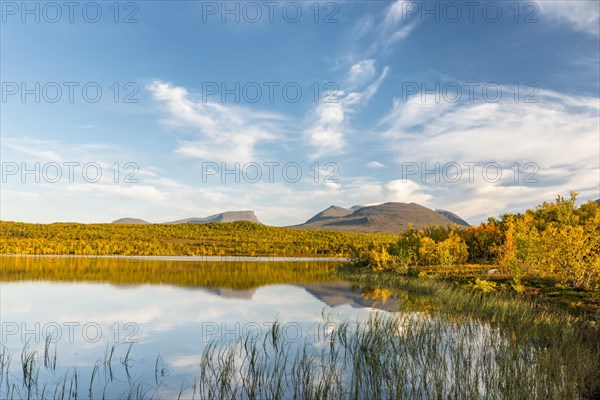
[(164, 110)]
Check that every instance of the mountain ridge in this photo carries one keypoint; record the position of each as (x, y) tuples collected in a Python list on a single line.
[(390, 217), (131, 221), (226, 216)]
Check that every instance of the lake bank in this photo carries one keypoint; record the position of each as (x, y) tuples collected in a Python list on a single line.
[(182, 258)]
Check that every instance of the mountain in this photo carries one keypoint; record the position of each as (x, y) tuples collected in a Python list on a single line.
[(133, 221), (330, 213), (227, 216), (453, 217), (387, 218), (336, 294)]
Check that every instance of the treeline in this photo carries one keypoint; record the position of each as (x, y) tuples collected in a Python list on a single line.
[(557, 240), (215, 239), (232, 275)]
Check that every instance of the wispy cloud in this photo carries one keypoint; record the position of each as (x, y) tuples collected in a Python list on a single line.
[(19, 195), (381, 32), (558, 127), (26, 149), (581, 15), (559, 134), (395, 26), (406, 191), (361, 72), (329, 120), (39, 150), (375, 164), (138, 192), (220, 132)]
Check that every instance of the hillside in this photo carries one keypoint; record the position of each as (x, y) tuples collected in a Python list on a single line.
[(453, 217), (227, 216), (383, 218), (131, 221), (330, 213), (185, 239)]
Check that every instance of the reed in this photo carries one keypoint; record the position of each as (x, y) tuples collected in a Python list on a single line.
[(386, 356)]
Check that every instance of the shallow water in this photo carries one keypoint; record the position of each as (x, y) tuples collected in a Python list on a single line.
[(150, 328), (168, 311)]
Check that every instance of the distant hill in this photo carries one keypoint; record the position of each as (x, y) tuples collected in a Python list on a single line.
[(133, 221), (382, 218), (387, 218), (453, 217), (336, 294), (330, 213), (227, 216)]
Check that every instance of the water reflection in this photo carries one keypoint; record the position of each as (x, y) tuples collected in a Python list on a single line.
[(167, 308), (157, 328), (233, 280)]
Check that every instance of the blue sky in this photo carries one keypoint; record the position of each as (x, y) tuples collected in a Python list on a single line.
[(387, 99)]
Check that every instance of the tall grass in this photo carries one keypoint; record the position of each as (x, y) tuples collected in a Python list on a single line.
[(444, 343), (414, 356)]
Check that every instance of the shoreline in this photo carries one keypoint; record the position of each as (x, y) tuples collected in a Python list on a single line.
[(184, 258)]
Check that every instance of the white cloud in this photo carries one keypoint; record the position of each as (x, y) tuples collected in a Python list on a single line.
[(326, 134), (360, 98), (364, 26), (40, 150), (328, 121), (361, 72), (19, 196), (557, 129), (375, 164), (400, 34), (581, 15), (221, 132), (559, 134), (374, 34), (395, 26), (406, 191), (139, 192), (396, 13)]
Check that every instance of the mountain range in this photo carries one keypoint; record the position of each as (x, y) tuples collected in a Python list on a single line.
[(227, 216), (387, 217), (383, 218), (334, 294)]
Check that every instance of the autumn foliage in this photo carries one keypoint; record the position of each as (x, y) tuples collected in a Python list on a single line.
[(557, 240)]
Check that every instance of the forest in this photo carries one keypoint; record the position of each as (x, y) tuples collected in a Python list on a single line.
[(215, 239), (557, 240)]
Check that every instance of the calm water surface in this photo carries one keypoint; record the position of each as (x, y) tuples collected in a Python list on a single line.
[(145, 328), (164, 313)]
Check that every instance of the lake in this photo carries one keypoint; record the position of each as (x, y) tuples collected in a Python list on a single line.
[(86, 306), (143, 328)]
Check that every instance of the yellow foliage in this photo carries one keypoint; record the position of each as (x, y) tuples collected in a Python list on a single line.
[(382, 260), (427, 251)]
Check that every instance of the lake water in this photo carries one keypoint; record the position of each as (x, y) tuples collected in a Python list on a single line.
[(167, 311), (162, 328)]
